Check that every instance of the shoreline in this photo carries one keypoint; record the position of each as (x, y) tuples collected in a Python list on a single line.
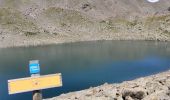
[(34, 41), (153, 87)]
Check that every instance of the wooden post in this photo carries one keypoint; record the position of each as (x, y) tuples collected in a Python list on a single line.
[(35, 71), (37, 95)]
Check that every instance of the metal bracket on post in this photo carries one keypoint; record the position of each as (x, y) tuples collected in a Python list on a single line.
[(35, 71)]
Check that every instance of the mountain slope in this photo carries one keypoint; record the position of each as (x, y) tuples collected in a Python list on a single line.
[(33, 22)]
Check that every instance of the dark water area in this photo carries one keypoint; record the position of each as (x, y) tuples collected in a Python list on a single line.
[(84, 64)]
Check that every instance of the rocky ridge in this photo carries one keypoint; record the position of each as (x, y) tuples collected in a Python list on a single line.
[(155, 87)]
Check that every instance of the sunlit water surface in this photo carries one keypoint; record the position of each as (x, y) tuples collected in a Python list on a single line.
[(84, 64)]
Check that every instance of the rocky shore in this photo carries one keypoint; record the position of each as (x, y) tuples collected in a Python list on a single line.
[(154, 87)]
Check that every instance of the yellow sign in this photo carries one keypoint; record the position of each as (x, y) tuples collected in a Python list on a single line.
[(34, 83)]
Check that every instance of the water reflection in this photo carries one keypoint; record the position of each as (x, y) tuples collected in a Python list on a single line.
[(84, 64)]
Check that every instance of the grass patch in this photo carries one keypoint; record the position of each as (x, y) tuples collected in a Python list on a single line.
[(30, 33), (12, 19), (62, 16), (166, 32), (157, 18)]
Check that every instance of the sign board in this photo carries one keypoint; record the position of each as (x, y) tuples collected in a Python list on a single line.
[(34, 67), (34, 83)]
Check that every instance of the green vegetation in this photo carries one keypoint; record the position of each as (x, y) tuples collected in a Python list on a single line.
[(166, 32), (157, 19), (15, 21), (158, 23), (14, 3), (63, 16), (30, 33), (65, 20)]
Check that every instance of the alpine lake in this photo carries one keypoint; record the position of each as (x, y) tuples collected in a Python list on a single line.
[(83, 64)]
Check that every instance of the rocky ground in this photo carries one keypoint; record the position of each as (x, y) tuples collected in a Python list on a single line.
[(39, 22), (155, 87)]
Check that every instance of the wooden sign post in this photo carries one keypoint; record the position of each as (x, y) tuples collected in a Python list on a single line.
[(34, 83), (35, 71)]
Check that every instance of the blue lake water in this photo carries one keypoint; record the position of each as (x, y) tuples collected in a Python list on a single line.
[(84, 64)]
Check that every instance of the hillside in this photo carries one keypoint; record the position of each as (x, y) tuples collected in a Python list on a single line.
[(38, 22)]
